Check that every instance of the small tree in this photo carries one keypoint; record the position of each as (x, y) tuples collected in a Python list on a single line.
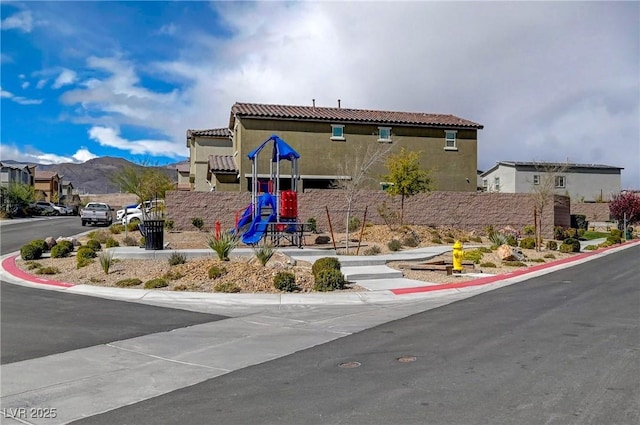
[(625, 205), (357, 165), (144, 182), (407, 177), (542, 189)]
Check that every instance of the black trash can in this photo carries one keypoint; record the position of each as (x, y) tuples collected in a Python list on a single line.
[(153, 234)]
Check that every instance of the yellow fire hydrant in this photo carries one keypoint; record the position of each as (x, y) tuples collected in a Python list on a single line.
[(458, 254)]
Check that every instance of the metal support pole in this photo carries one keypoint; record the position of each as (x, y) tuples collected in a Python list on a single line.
[(331, 229), (364, 221)]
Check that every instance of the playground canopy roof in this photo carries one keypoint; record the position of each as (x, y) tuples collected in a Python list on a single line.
[(281, 150)]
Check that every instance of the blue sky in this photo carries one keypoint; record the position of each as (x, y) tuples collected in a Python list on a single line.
[(550, 81)]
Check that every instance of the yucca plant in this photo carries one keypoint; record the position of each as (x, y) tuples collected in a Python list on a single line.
[(497, 239), (223, 244), (106, 259), (264, 252)]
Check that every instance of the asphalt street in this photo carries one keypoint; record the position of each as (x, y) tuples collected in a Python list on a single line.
[(563, 348)]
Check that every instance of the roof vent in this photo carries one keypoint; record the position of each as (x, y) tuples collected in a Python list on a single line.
[(338, 103), (314, 102)]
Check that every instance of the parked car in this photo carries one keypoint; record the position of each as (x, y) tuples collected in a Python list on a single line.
[(96, 213), (148, 207), (64, 209), (45, 208), (128, 209)]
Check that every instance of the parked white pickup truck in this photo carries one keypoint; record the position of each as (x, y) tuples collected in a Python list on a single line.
[(147, 207), (96, 213)]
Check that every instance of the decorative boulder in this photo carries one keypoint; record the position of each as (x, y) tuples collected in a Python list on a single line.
[(50, 242), (74, 241), (509, 253), (322, 240)]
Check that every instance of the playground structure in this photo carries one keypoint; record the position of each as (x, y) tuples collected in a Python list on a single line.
[(273, 213)]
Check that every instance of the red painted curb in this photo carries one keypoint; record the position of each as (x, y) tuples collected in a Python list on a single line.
[(9, 264), (491, 279)]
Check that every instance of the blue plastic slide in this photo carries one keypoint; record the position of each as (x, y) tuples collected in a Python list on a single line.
[(260, 224)]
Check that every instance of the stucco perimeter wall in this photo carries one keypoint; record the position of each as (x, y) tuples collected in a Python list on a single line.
[(471, 211), (594, 212)]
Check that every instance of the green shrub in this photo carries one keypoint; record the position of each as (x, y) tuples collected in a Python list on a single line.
[(513, 263), (614, 239), (116, 228), (394, 245), (570, 233), (354, 224), (181, 287), (549, 256), (477, 239), (158, 282), (575, 244), (129, 241), (33, 265), (411, 240), (67, 244), (86, 252), (528, 243), (616, 233), (325, 263), (566, 248), (285, 281), (61, 250), (83, 262), (329, 280), (216, 271), (529, 230), (47, 270), (111, 242), (124, 283), (177, 258), (197, 222), (224, 244), (488, 264), (173, 275), (30, 252), (558, 233), (312, 225), (473, 255), (591, 247), (93, 244), (106, 259), (226, 287), (485, 250), (168, 224), (99, 235), (264, 252), (581, 232), (537, 260), (552, 245), (40, 243), (511, 240), (372, 250), (132, 226), (448, 240), (436, 240), (604, 244), (497, 239), (142, 242)]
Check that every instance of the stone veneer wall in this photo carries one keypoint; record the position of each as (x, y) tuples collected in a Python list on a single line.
[(594, 212), (470, 211)]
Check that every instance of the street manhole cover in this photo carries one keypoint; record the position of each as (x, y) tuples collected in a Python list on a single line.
[(349, 365), (407, 359)]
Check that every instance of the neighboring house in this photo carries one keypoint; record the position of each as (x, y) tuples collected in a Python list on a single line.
[(66, 189), (17, 173), (183, 175), (323, 137), (581, 182), (49, 183)]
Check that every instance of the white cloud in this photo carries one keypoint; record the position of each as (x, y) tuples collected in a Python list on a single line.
[(169, 29), (19, 99), (22, 21), (65, 78), (30, 155), (25, 84), (41, 83), (110, 137)]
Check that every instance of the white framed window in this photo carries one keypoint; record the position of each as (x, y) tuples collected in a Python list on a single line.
[(384, 134), (561, 182), (496, 183), (337, 132), (450, 143), (485, 184), (536, 179)]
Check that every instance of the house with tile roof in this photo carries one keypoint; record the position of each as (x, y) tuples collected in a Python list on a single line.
[(581, 182), (324, 136), (48, 185), (11, 173)]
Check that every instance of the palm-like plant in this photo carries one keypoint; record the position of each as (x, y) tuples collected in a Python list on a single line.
[(223, 244)]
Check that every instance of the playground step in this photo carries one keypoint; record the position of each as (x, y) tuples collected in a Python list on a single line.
[(370, 272)]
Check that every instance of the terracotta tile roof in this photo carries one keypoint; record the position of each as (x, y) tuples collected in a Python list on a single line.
[(183, 167), (213, 132), (222, 164), (311, 113), (45, 175)]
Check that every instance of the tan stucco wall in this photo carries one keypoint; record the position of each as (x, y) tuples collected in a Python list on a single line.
[(319, 155), (200, 149)]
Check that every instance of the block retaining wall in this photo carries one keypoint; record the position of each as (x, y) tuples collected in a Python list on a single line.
[(464, 210)]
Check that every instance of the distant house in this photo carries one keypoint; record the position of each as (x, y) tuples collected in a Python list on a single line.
[(17, 173), (183, 169), (323, 136), (66, 189), (49, 185), (581, 182)]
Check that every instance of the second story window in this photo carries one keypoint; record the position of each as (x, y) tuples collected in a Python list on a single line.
[(450, 140), (561, 182), (485, 184), (337, 132), (384, 134), (496, 184)]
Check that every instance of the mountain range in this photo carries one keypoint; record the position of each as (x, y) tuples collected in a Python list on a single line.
[(95, 175)]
